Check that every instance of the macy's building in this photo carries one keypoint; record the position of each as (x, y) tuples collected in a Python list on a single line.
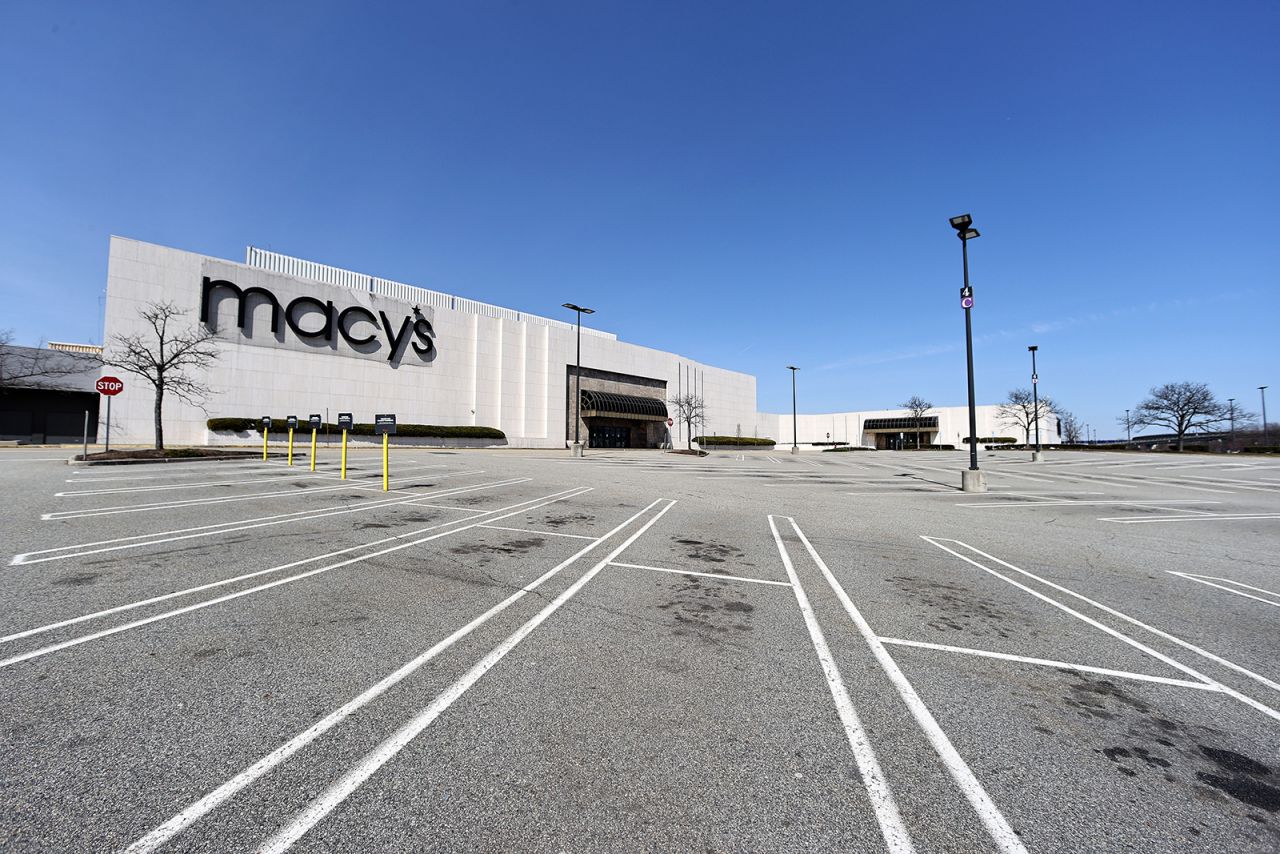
[(296, 337)]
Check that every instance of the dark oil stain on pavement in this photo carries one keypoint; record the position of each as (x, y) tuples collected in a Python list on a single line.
[(711, 552), (77, 579), (961, 609), (559, 521), (1243, 784), (707, 611), (1179, 752), (510, 547)]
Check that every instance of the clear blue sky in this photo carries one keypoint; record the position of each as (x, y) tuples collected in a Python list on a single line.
[(750, 184)]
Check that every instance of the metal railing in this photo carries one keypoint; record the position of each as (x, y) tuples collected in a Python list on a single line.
[(274, 262)]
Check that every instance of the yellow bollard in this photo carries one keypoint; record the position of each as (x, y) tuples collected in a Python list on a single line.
[(264, 444), (386, 479), (290, 446), (344, 455), (313, 449)]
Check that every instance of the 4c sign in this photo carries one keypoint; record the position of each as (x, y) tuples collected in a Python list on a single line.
[(109, 386)]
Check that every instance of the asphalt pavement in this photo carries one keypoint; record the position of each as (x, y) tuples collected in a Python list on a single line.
[(638, 651)]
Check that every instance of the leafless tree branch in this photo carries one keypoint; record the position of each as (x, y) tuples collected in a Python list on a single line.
[(174, 362)]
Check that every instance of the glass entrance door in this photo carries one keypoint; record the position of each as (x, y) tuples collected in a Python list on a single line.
[(610, 436)]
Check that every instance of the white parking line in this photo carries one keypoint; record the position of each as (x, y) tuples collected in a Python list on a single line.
[(1058, 665), (228, 499), (937, 542), (523, 507), (126, 490), (539, 533), (997, 826), (895, 834), (328, 800), (1216, 517), (159, 538), (184, 819), (703, 574), (1087, 503), (1210, 579), (445, 507)]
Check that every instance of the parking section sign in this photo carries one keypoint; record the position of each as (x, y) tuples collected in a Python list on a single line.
[(314, 421), (384, 423), (345, 421)]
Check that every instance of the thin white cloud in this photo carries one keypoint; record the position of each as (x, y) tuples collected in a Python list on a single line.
[(1037, 328)]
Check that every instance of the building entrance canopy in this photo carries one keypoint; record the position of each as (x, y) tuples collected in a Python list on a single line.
[(631, 407), (925, 422)]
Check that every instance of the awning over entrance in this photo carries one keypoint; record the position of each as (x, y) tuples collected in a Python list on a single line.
[(926, 422), (632, 407)]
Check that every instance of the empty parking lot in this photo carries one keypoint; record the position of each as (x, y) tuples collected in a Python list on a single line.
[(637, 651)]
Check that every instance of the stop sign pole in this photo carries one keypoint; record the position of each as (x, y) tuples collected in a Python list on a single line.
[(108, 387)]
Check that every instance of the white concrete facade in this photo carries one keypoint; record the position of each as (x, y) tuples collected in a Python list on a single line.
[(486, 366), (471, 364), (952, 426)]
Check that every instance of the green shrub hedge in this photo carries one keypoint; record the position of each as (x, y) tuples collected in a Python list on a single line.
[(847, 448), (993, 440), (732, 440), (433, 431)]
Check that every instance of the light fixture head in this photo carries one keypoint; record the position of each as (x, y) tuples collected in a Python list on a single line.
[(792, 368), (578, 308), (968, 234), (1033, 348), (960, 223)]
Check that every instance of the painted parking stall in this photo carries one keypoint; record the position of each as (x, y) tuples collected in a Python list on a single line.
[(739, 651)]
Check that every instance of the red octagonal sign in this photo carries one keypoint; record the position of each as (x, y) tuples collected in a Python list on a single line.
[(109, 386)]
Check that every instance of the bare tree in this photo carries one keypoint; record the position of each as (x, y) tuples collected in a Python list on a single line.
[(1184, 407), (1069, 428), (1021, 410), (689, 410), (35, 367), (171, 358), (919, 408)]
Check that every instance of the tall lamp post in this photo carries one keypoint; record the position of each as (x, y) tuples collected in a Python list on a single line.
[(1128, 429), (1035, 403), (971, 480), (1231, 413), (577, 378), (1263, 390), (795, 446)]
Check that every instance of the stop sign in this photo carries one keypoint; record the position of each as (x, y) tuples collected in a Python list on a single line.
[(109, 386), (670, 422)]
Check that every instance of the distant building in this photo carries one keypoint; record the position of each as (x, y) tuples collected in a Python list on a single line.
[(45, 393)]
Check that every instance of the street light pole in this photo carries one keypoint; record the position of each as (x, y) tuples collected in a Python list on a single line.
[(1035, 402), (1265, 440), (577, 378), (1128, 429), (1231, 410), (795, 446), (971, 480)]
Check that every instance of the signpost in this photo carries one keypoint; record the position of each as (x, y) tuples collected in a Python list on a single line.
[(314, 422), (292, 421), (385, 423), (110, 387), (344, 424), (266, 428), (966, 297)]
